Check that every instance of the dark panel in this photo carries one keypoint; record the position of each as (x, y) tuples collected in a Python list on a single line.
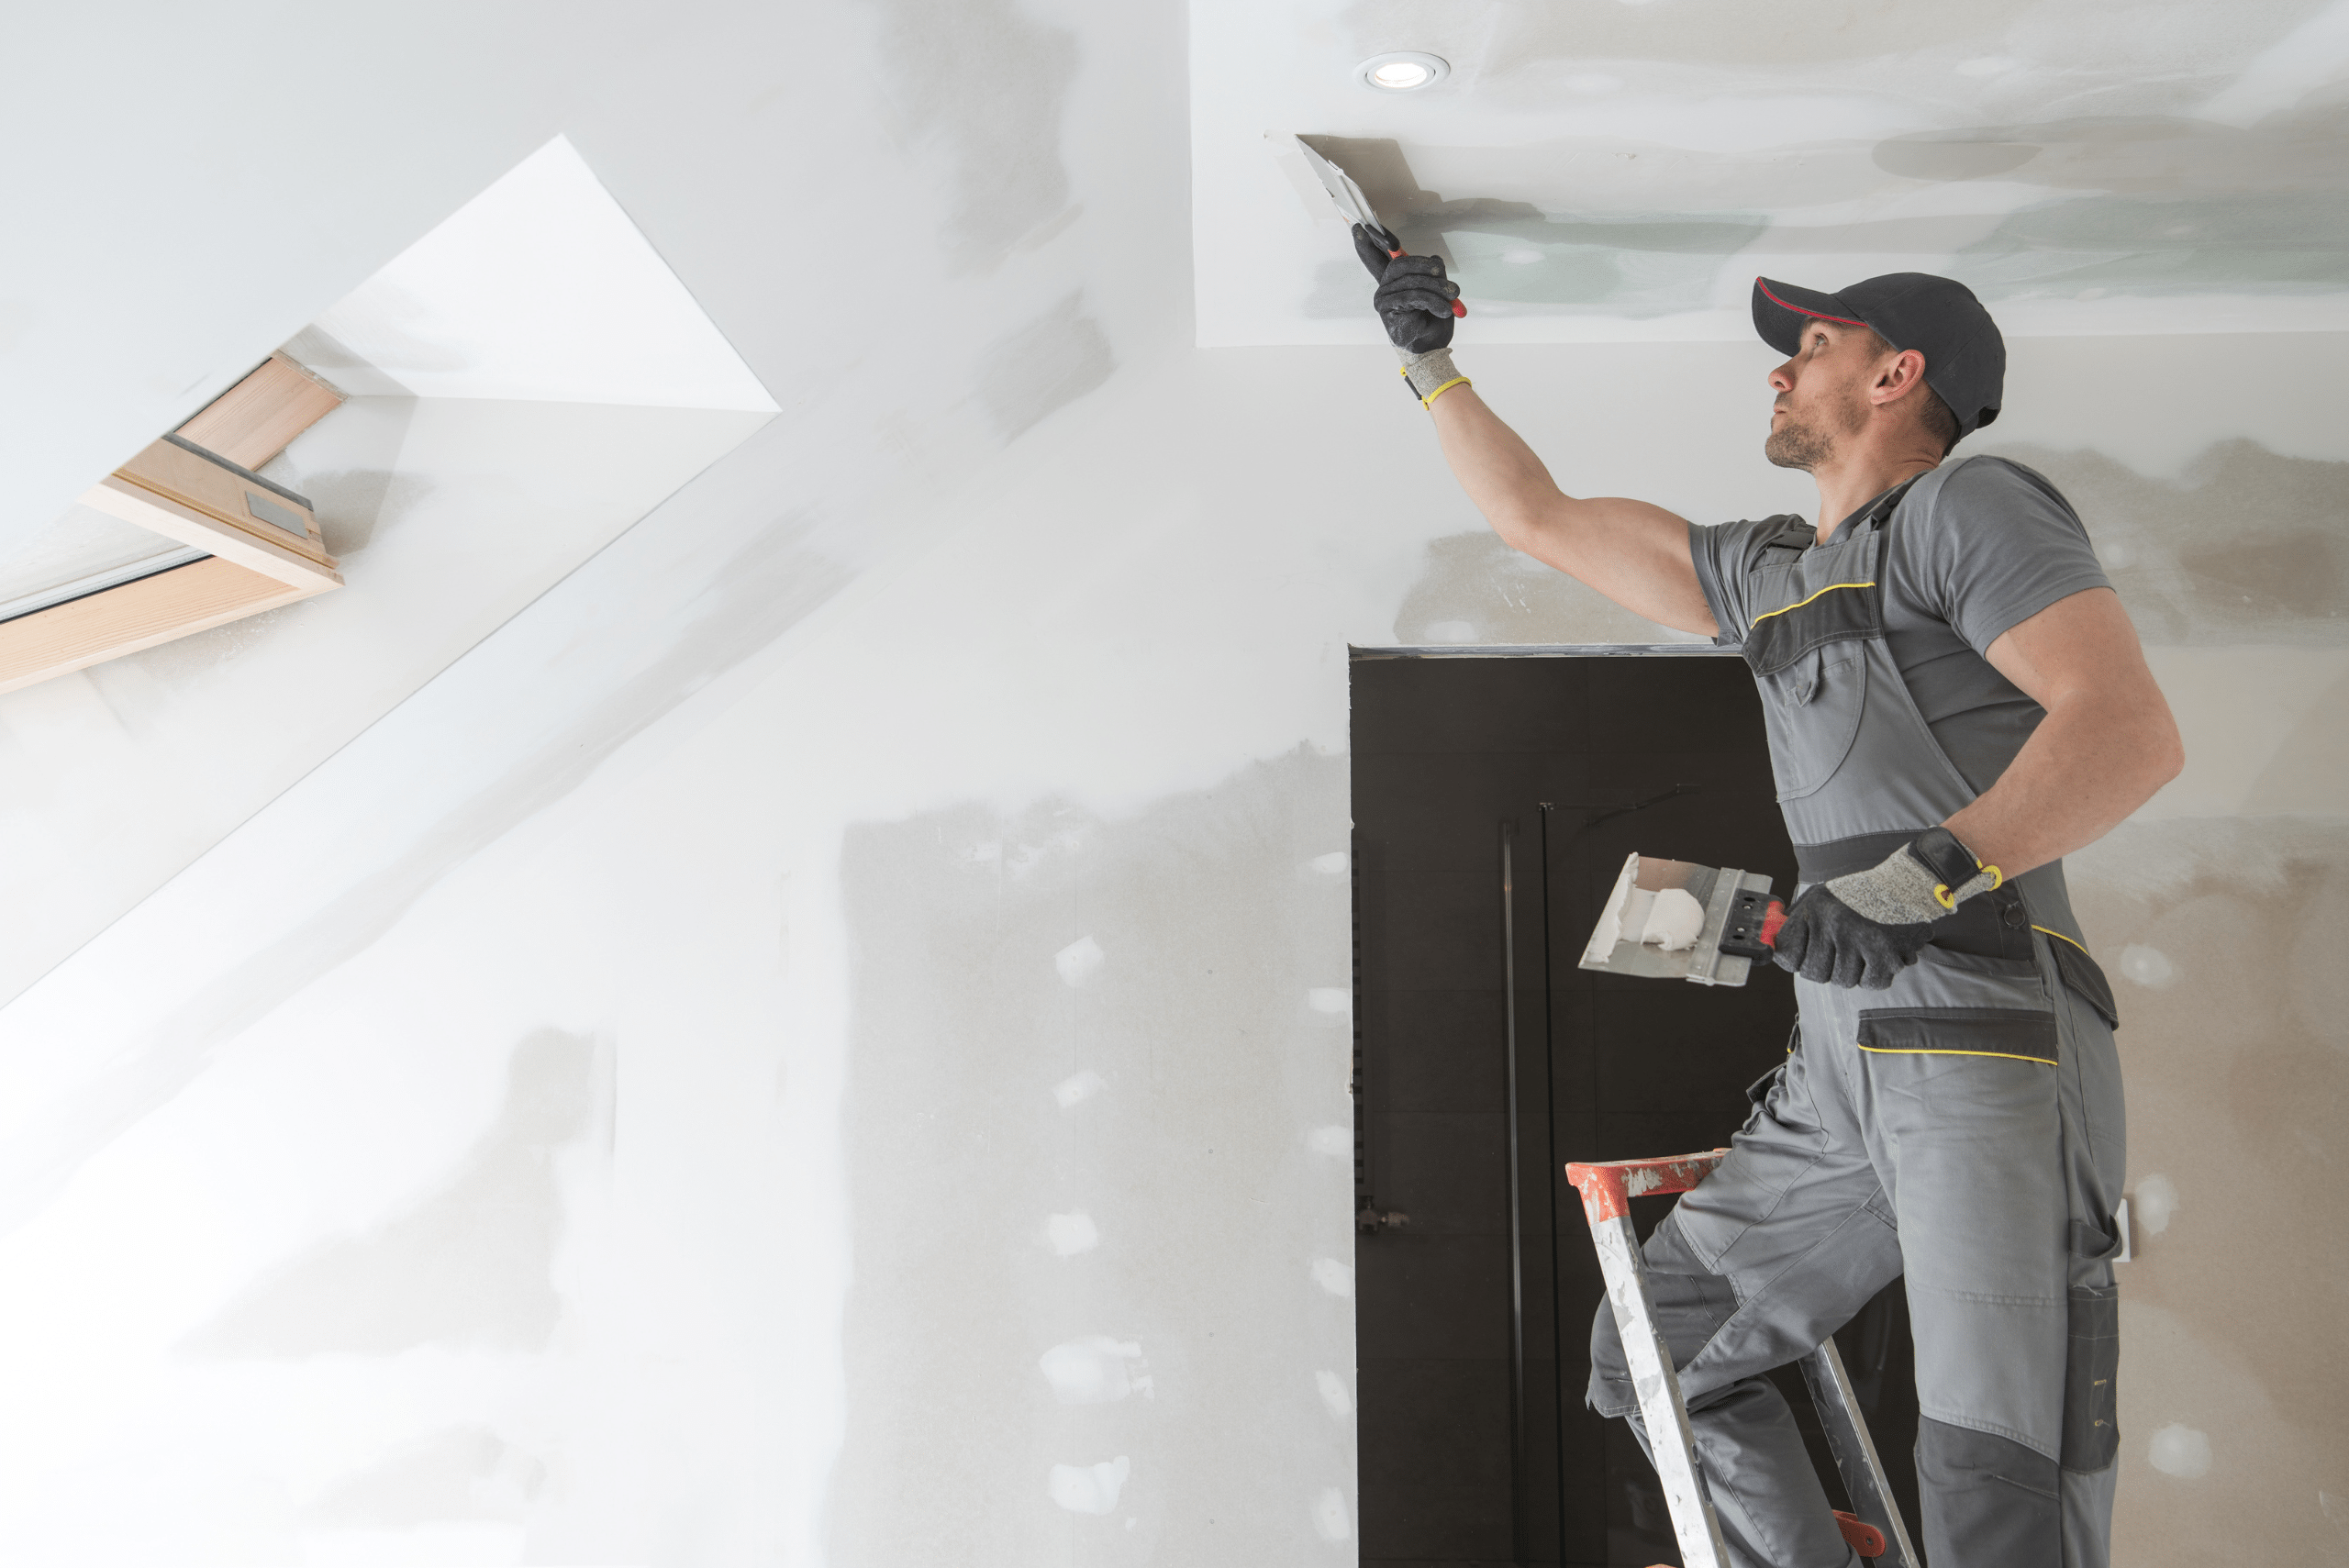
[(1664, 755), (1468, 705), (1437, 1051), (1431, 1298), (1448, 1170), (1438, 1483)]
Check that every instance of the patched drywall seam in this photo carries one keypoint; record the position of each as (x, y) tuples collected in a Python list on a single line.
[(1032, 374), (470, 1265), (356, 499), (464, 1472), (980, 86), (771, 582), (2220, 935), (1475, 589), (1056, 1013), (2246, 547)]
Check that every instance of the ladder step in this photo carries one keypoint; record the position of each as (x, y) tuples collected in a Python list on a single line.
[(1860, 1536)]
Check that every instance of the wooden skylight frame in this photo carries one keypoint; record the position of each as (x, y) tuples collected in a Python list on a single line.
[(196, 486)]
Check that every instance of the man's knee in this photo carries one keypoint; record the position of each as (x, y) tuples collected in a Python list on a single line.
[(1989, 1498), (1611, 1392)]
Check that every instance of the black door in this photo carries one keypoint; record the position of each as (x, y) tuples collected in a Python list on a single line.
[(1475, 1447)]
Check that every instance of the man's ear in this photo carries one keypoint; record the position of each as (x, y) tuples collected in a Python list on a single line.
[(1899, 375)]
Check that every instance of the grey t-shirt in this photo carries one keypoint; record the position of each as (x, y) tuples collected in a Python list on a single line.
[(1990, 545)]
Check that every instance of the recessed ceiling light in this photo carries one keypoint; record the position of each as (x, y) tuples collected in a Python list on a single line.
[(1403, 73)]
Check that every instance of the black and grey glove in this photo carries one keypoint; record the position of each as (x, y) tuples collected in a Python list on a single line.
[(1414, 300), (1864, 928)]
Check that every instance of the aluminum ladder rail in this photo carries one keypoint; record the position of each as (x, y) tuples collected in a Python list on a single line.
[(1873, 1525)]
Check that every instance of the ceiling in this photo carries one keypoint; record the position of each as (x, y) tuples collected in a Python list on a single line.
[(1609, 169)]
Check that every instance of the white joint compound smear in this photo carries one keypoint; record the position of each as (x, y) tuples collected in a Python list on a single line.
[(1672, 920), (1332, 865), (1077, 961), (1334, 1394), (1613, 919), (1090, 1488), (1071, 1233), (2149, 967), (2156, 1201), (2181, 1452), (1330, 999), (1338, 1140), (1096, 1369), (1078, 1088), (1330, 1516), (1333, 1276)]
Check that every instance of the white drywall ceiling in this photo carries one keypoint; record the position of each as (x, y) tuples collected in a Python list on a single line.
[(1604, 170), (540, 289)]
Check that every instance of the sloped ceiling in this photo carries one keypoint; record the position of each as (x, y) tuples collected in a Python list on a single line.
[(1596, 168)]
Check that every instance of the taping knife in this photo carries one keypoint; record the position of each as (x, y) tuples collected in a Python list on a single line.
[(1672, 920), (1352, 203)]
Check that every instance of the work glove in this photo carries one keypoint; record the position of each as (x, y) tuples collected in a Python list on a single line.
[(1414, 297), (1414, 300), (1864, 928)]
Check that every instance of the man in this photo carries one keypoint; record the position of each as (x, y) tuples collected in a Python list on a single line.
[(1954, 699)]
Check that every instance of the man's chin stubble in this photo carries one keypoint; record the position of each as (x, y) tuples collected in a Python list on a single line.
[(1797, 446)]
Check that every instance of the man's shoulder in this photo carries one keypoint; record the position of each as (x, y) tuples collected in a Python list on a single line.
[(1748, 542), (1988, 480)]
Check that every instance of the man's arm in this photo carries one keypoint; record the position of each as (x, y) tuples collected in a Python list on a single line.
[(2107, 744), (1635, 553)]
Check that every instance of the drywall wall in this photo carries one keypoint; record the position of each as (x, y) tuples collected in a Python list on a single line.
[(820, 1039)]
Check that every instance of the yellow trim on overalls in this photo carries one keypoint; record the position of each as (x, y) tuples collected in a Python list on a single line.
[(2062, 937), (1798, 604), (2002, 1055)]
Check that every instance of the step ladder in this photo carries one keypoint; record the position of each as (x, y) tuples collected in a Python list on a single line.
[(1873, 1525)]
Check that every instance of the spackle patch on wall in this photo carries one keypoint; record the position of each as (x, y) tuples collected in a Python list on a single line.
[(1331, 1518), (1164, 1098), (1077, 961), (1090, 1488), (1078, 1088), (1094, 1371), (2180, 1451), (1069, 1234)]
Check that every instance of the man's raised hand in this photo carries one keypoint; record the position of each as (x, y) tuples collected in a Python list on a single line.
[(1414, 298)]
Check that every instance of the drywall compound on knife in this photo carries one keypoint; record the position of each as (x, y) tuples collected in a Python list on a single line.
[(1666, 920)]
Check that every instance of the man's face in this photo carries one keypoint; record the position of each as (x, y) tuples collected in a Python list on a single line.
[(1821, 394)]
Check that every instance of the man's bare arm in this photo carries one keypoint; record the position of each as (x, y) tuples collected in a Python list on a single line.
[(2107, 744), (1635, 553)]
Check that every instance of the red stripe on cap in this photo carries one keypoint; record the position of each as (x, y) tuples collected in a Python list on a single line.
[(1763, 284)]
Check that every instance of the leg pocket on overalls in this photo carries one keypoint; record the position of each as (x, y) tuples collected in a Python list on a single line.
[(2084, 978), (2091, 1433), (1956, 1004)]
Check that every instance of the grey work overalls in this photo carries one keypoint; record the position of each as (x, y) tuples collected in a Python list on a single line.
[(1964, 1128)]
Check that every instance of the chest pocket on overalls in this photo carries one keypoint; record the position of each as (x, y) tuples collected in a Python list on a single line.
[(1810, 660)]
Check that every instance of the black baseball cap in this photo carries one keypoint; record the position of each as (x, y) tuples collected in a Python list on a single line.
[(1966, 358)]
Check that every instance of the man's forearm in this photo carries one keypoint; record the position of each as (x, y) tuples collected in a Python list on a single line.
[(1635, 553), (1509, 484), (2085, 769)]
